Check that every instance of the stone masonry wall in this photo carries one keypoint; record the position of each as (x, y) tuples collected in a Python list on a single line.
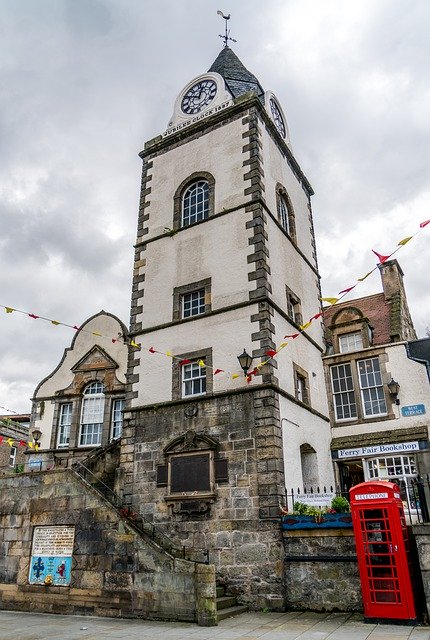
[(322, 585), (236, 523), (115, 571)]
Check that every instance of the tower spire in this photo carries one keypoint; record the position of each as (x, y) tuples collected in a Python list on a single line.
[(226, 36)]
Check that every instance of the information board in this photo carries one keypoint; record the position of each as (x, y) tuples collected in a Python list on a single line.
[(51, 555)]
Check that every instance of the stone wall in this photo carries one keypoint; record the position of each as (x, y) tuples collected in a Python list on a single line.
[(328, 583), (115, 570), (421, 547)]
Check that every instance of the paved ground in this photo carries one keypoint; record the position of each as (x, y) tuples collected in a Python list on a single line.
[(248, 626)]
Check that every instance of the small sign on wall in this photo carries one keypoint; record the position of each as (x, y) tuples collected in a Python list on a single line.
[(51, 555), (413, 410)]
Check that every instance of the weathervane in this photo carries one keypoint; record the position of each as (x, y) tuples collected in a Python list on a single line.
[(226, 36)]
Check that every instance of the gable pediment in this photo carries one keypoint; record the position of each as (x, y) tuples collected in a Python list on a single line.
[(95, 360)]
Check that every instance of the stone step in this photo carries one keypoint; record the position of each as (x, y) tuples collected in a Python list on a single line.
[(220, 591), (231, 611), (225, 602)]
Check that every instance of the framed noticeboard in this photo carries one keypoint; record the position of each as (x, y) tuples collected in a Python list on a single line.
[(51, 555)]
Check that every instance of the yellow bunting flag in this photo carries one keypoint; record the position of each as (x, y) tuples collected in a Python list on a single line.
[(95, 333), (329, 300), (133, 344), (235, 375), (366, 276), (55, 322), (405, 240), (282, 345), (10, 442), (36, 447), (308, 324), (9, 309), (31, 445), (169, 353), (201, 363)]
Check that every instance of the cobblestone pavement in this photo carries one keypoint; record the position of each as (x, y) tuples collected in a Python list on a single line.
[(248, 626)]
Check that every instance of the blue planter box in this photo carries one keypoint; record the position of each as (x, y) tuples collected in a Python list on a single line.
[(325, 521)]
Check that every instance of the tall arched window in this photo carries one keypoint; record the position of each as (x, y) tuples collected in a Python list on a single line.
[(195, 203), (92, 415), (285, 212)]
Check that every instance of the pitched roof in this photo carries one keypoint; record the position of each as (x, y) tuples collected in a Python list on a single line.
[(375, 308), (237, 78)]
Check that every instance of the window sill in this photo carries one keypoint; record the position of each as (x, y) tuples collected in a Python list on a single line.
[(195, 495)]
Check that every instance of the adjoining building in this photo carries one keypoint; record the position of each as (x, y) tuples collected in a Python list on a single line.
[(15, 429), (378, 392), (80, 404)]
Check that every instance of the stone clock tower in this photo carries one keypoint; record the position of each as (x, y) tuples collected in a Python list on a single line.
[(225, 260)]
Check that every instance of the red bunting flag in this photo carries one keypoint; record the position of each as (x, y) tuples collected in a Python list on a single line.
[(316, 316), (22, 443), (114, 340), (218, 371), (31, 315), (271, 353), (424, 224), (185, 362), (151, 350), (380, 257), (76, 328), (1, 439), (294, 335), (254, 372), (348, 289)]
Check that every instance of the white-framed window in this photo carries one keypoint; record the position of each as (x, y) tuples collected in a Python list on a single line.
[(12, 456), (371, 387), (64, 424), (116, 426), (350, 342), (193, 303), (345, 406), (397, 467), (193, 380), (92, 415), (195, 203)]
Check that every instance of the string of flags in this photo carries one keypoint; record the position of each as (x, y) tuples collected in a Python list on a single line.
[(270, 353)]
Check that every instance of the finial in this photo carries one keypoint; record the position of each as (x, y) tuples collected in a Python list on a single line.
[(226, 36)]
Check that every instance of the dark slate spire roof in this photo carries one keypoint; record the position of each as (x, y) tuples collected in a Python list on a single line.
[(237, 78)]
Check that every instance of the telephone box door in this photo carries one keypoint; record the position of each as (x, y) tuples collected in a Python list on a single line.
[(382, 551)]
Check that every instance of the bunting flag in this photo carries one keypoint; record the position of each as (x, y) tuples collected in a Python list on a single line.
[(218, 371), (19, 443), (305, 326), (347, 290), (380, 257), (424, 224), (202, 363), (330, 300), (366, 276), (404, 241)]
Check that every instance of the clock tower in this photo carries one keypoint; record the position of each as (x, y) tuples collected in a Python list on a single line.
[(225, 261)]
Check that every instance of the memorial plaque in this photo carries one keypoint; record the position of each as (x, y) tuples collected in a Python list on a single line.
[(51, 555), (190, 473)]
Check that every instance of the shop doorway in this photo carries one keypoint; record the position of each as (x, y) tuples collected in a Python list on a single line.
[(350, 474)]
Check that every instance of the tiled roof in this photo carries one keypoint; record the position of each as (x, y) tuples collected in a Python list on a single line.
[(375, 308), (237, 78)]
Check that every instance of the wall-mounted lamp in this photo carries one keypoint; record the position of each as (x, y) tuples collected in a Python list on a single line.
[(245, 361), (36, 434), (394, 388)]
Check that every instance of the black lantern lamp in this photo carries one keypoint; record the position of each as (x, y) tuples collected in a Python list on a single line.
[(394, 388), (245, 361), (36, 434)]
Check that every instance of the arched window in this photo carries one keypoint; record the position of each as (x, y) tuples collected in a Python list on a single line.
[(285, 212), (194, 200), (92, 415), (195, 203)]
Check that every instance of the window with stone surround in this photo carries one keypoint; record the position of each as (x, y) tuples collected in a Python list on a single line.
[(350, 342), (192, 299), (294, 308), (116, 423), (358, 390), (194, 200), (64, 424), (301, 384), (92, 415), (12, 456), (285, 212), (192, 374)]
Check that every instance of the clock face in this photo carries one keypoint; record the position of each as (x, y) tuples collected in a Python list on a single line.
[(277, 117), (199, 96)]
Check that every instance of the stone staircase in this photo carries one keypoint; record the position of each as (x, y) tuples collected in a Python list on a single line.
[(227, 605)]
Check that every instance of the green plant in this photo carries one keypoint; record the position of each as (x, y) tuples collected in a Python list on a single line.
[(340, 505), (19, 468), (300, 508)]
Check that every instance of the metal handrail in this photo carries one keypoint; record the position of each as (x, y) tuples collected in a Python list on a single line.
[(137, 521)]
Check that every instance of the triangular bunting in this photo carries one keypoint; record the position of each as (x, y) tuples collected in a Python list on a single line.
[(380, 257)]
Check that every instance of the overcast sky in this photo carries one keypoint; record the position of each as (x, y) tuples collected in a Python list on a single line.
[(83, 83)]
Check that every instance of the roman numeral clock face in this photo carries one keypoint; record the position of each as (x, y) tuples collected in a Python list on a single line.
[(199, 96), (277, 117)]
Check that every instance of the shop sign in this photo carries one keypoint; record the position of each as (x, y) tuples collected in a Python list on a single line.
[(413, 410), (51, 555), (316, 499), (371, 496), (379, 449)]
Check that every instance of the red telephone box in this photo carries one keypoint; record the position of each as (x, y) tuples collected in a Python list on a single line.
[(382, 543)]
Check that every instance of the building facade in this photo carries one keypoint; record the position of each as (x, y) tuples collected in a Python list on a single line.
[(80, 404), (13, 431), (225, 260), (378, 394)]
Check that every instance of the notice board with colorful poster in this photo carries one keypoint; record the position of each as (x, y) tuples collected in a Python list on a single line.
[(51, 555)]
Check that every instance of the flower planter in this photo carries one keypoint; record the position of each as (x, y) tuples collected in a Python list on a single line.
[(324, 521)]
